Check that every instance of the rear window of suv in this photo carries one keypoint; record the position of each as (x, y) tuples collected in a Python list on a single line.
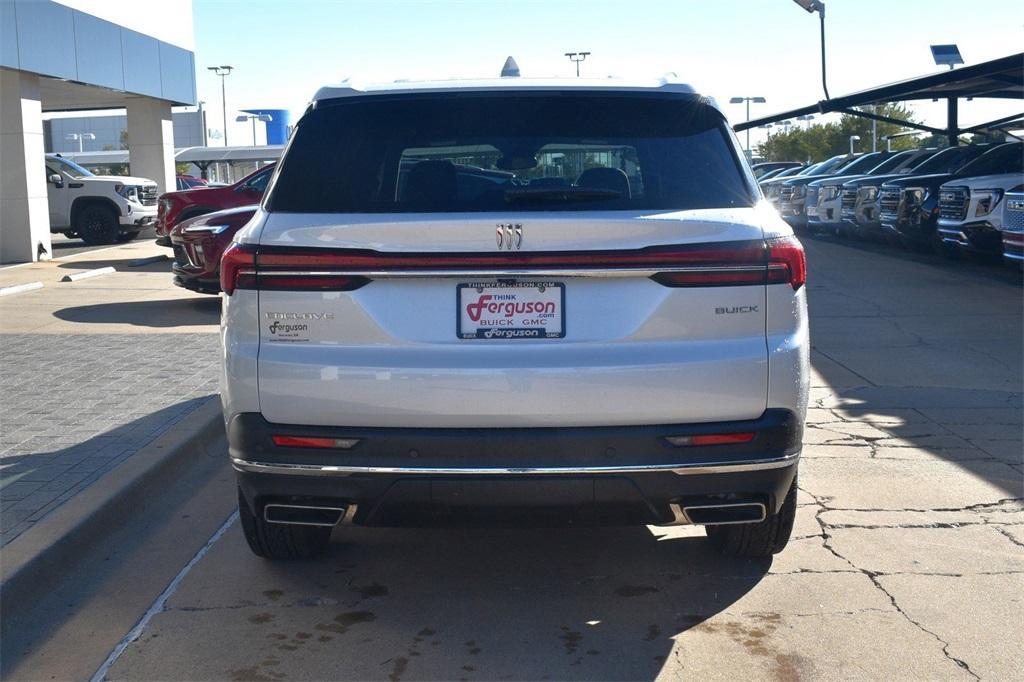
[(522, 151)]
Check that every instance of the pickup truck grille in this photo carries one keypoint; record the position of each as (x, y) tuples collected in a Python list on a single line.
[(953, 203), (1013, 216), (889, 200), (786, 193), (849, 198), (148, 195)]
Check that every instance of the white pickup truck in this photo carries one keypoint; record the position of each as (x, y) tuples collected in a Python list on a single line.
[(99, 209)]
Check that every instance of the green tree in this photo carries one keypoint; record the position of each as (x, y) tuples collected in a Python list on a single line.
[(822, 140)]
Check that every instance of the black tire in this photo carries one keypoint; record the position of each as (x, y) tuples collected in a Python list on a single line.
[(97, 224), (757, 539), (281, 541)]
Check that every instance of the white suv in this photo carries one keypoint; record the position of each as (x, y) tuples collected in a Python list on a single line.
[(100, 209), (970, 215), (514, 301)]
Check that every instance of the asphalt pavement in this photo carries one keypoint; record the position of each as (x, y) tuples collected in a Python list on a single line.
[(907, 560)]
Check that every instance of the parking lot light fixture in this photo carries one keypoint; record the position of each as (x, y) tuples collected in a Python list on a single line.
[(266, 118), (748, 100), (853, 138), (813, 6), (576, 58), (80, 137), (223, 72)]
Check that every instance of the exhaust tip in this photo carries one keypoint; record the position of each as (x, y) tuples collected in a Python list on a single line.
[(303, 515), (725, 514)]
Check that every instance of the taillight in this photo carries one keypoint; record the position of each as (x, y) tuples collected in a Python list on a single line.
[(243, 267), (238, 268), (314, 442), (711, 439), (787, 263)]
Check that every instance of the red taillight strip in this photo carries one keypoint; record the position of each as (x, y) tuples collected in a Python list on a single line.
[(752, 252), (787, 262), (749, 262), (237, 267)]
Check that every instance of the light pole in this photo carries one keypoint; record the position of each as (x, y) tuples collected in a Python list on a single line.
[(748, 100), (223, 72), (813, 6), (806, 118), (80, 137), (576, 58), (202, 121), (853, 138), (266, 118)]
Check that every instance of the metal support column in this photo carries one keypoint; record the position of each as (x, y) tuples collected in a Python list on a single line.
[(952, 124)]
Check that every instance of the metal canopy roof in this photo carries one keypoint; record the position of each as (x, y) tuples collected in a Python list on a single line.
[(197, 155), (1001, 78)]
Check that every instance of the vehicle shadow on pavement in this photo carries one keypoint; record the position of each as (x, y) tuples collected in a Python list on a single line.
[(452, 604), (119, 264), (166, 313), (916, 370), (46, 470)]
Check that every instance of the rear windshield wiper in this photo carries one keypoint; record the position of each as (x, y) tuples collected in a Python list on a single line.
[(559, 194)]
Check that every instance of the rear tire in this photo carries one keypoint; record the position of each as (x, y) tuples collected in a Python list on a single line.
[(757, 539), (97, 224), (278, 540)]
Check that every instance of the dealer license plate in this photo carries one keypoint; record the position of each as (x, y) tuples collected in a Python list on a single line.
[(511, 310)]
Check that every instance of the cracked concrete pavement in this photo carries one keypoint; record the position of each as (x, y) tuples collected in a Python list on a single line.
[(907, 558)]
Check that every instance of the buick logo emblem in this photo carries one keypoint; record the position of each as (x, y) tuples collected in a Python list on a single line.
[(509, 236)]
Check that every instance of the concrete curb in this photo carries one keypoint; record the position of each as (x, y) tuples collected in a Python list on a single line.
[(86, 274), (32, 560), (18, 288)]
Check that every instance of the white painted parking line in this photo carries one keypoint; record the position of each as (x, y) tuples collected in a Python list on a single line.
[(19, 288), (86, 274), (158, 606)]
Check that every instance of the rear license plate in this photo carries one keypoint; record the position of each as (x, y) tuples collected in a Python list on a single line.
[(510, 310)]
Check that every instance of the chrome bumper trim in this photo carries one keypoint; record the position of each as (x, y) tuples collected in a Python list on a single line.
[(687, 469)]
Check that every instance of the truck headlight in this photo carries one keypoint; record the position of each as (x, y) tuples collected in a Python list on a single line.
[(129, 192), (915, 195), (988, 199), (800, 192), (165, 206), (829, 193), (867, 193)]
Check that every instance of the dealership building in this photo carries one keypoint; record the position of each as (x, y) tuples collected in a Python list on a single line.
[(83, 55)]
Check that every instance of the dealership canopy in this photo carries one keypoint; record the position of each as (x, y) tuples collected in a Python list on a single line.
[(1001, 78)]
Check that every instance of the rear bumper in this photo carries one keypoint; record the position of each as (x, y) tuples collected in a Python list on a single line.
[(607, 475)]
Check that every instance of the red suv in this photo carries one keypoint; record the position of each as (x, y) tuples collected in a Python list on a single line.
[(198, 244), (175, 207)]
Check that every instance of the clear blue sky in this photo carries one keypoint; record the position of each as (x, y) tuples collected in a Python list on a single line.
[(284, 50)]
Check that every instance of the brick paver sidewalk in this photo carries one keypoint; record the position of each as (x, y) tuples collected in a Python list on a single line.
[(93, 371)]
